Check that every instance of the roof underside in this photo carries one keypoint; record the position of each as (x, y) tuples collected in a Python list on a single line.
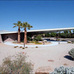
[(41, 30)]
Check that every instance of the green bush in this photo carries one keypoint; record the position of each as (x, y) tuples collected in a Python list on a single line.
[(38, 38), (63, 70), (71, 53), (72, 41), (53, 34), (29, 38), (47, 35), (58, 39), (16, 66)]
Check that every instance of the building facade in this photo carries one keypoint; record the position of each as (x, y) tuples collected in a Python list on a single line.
[(13, 36)]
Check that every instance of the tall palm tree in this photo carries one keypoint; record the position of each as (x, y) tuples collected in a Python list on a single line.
[(26, 26), (18, 24)]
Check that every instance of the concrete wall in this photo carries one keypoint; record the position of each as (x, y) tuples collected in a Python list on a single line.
[(9, 37), (0, 38), (12, 37)]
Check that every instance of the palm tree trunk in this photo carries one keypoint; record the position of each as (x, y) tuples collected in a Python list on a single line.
[(25, 36), (18, 34)]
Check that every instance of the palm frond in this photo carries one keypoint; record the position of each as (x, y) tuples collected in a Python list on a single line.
[(19, 24), (31, 26), (26, 25), (14, 26)]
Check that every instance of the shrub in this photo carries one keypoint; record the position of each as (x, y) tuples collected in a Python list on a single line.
[(63, 40), (72, 41), (63, 70), (71, 53), (36, 42), (47, 35), (58, 39), (29, 38), (69, 41), (36, 46), (38, 38), (23, 47), (16, 66), (53, 34), (15, 46), (32, 41), (26, 47), (20, 46)]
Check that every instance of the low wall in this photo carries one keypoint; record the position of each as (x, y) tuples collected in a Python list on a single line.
[(0, 38), (12, 37), (54, 38), (9, 37)]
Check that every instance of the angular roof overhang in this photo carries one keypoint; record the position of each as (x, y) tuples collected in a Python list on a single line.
[(41, 30)]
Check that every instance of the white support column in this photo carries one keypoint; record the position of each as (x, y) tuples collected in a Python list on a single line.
[(0, 39)]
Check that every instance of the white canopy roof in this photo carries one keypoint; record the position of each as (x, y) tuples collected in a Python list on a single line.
[(41, 30)]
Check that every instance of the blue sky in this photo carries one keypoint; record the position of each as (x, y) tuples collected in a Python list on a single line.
[(40, 14)]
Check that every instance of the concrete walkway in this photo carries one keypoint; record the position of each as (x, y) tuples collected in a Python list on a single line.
[(53, 43)]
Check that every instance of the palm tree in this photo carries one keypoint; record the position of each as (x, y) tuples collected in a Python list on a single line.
[(18, 24), (25, 25)]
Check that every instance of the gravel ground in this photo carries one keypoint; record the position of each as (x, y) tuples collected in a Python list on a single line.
[(51, 56)]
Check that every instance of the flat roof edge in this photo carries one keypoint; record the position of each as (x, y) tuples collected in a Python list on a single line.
[(41, 30)]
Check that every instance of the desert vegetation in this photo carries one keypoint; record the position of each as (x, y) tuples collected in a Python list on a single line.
[(71, 53), (15, 46), (35, 40), (17, 65), (63, 70), (63, 34)]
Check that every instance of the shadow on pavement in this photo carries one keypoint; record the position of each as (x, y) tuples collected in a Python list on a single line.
[(68, 57)]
